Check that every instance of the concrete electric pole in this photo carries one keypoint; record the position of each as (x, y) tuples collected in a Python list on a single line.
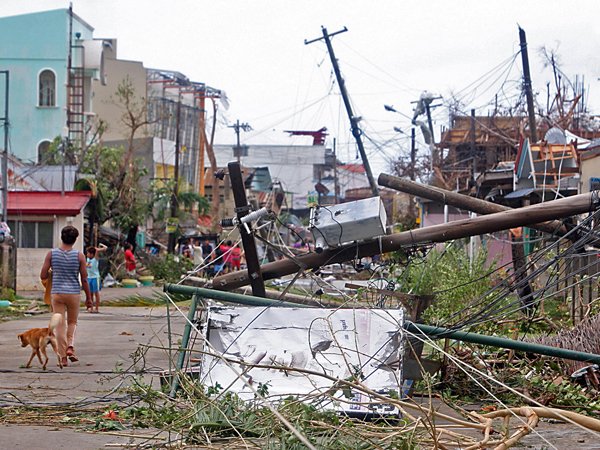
[(238, 150), (356, 132)]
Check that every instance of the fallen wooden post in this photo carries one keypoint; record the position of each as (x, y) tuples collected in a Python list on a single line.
[(460, 201), (541, 212)]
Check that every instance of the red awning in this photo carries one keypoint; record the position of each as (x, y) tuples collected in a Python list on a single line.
[(46, 203)]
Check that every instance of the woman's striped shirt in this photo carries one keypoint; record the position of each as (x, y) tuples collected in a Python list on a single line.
[(65, 271)]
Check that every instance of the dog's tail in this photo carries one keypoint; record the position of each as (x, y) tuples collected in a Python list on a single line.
[(55, 321)]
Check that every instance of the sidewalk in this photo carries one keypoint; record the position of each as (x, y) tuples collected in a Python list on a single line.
[(111, 293)]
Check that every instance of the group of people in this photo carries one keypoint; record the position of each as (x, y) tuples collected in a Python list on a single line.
[(226, 257), (68, 271)]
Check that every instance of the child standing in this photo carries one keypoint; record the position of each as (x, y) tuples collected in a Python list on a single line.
[(93, 271), (129, 260)]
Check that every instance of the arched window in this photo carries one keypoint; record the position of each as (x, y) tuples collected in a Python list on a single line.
[(44, 153), (47, 88)]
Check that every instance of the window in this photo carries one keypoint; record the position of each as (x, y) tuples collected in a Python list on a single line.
[(44, 152), (32, 234), (47, 88)]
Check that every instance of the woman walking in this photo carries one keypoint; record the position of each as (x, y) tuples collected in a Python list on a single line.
[(68, 268)]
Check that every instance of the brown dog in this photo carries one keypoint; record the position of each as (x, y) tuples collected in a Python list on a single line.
[(39, 338)]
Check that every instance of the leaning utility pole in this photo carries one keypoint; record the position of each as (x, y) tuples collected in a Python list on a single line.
[(356, 132), (242, 208), (413, 155), (527, 85)]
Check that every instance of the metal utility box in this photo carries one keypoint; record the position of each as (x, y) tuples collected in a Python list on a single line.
[(336, 225)]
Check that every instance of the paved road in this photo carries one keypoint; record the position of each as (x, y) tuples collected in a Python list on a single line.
[(104, 343)]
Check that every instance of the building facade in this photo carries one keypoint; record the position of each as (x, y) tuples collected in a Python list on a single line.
[(52, 58)]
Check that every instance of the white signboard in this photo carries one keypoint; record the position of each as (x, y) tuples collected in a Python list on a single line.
[(341, 343)]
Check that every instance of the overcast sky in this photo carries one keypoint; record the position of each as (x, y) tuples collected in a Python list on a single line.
[(393, 50)]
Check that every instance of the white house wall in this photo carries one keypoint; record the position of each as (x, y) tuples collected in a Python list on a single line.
[(292, 165), (30, 260)]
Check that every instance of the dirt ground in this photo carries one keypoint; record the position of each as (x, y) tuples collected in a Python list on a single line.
[(104, 343)]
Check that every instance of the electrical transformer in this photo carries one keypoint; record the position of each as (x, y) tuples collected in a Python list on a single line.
[(337, 225)]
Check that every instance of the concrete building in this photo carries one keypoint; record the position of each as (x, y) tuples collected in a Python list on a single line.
[(590, 168), (35, 220), (52, 58), (294, 166), (107, 106)]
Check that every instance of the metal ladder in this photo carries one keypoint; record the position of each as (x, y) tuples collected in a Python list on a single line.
[(75, 96)]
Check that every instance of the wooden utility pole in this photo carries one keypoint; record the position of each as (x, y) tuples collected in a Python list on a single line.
[(527, 85), (201, 143), (460, 201), (336, 187), (5, 150), (413, 155), (241, 207), (541, 212), (174, 196), (356, 132), (473, 146)]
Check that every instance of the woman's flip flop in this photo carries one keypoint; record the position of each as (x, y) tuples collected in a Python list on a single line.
[(71, 354)]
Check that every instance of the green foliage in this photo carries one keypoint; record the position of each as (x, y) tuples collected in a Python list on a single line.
[(562, 393), (190, 199), (119, 190), (451, 276), (7, 293), (162, 195), (205, 415), (169, 268)]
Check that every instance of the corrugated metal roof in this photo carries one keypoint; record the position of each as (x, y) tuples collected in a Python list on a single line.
[(520, 193), (51, 177), (45, 203)]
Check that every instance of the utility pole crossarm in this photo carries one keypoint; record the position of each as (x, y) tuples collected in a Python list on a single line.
[(237, 127), (356, 132)]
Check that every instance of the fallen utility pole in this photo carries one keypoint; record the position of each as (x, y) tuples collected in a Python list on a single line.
[(356, 132), (227, 297), (460, 201), (541, 212)]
